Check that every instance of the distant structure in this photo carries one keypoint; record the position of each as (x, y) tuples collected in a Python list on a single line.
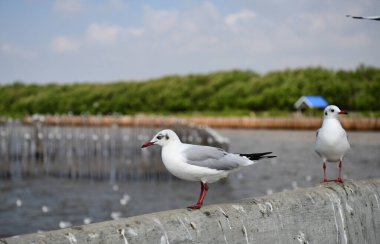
[(305, 102), (365, 17)]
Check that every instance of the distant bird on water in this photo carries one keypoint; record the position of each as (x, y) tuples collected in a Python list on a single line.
[(199, 163), (332, 142), (365, 17)]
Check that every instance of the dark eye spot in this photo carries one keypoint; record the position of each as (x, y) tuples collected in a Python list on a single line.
[(167, 137), (332, 110), (326, 113), (159, 137)]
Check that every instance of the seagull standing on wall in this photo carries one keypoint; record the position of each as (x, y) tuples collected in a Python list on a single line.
[(199, 163), (332, 142)]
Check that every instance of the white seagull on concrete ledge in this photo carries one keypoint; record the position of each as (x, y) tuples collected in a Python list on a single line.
[(332, 142), (199, 163)]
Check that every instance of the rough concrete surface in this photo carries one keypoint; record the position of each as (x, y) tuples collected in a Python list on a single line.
[(327, 213)]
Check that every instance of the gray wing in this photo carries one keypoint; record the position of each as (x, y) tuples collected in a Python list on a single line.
[(209, 157)]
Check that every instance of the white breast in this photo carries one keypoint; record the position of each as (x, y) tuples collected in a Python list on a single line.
[(332, 141)]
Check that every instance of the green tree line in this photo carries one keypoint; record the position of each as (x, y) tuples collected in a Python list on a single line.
[(226, 91)]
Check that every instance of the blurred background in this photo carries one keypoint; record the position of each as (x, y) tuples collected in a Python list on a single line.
[(84, 83)]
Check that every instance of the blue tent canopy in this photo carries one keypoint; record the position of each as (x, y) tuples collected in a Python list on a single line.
[(311, 102)]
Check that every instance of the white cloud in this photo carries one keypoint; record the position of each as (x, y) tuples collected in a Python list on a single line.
[(94, 34), (201, 19), (318, 24), (199, 44), (14, 50), (244, 15), (62, 44), (160, 20), (6, 48), (68, 6), (116, 4), (210, 9), (135, 31), (184, 32), (103, 33)]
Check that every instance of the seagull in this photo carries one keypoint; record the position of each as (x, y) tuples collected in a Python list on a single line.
[(87, 220), (205, 164), (365, 17), (332, 142), (125, 199), (64, 224), (18, 203), (45, 209)]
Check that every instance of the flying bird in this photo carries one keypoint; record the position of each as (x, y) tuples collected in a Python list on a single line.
[(205, 164), (365, 17), (332, 142)]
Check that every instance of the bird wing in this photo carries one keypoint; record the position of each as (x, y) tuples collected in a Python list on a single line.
[(210, 157), (365, 17), (347, 139)]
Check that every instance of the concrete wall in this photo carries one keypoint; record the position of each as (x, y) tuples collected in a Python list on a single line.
[(327, 213)]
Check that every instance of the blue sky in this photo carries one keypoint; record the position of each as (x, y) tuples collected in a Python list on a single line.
[(45, 41)]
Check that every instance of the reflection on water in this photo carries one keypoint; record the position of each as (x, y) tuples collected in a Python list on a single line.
[(45, 203)]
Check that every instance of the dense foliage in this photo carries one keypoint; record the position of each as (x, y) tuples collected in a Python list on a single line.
[(218, 92)]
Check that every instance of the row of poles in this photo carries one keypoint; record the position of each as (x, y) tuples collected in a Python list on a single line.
[(99, 153)]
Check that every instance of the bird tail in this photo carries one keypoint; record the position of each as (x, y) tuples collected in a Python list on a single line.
[(258, 156)]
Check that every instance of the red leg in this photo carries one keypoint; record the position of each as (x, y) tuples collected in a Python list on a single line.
[(202, 195), (324, 173), (339, 179)]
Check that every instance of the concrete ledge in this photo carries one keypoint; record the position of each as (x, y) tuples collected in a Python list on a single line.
[(328, 213)]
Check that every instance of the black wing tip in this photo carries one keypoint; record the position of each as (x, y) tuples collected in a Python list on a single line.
[(271, 156), (258, 156)]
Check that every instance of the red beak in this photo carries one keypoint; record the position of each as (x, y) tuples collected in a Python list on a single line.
[(343, 112), (147, 144)]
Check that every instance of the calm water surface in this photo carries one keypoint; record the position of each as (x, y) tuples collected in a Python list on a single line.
[(41, 204)]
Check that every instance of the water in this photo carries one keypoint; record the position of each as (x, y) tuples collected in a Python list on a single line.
[(103, 153), (75, 201)]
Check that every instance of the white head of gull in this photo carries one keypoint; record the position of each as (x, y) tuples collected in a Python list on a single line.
[(205, 164), (332, 142)]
